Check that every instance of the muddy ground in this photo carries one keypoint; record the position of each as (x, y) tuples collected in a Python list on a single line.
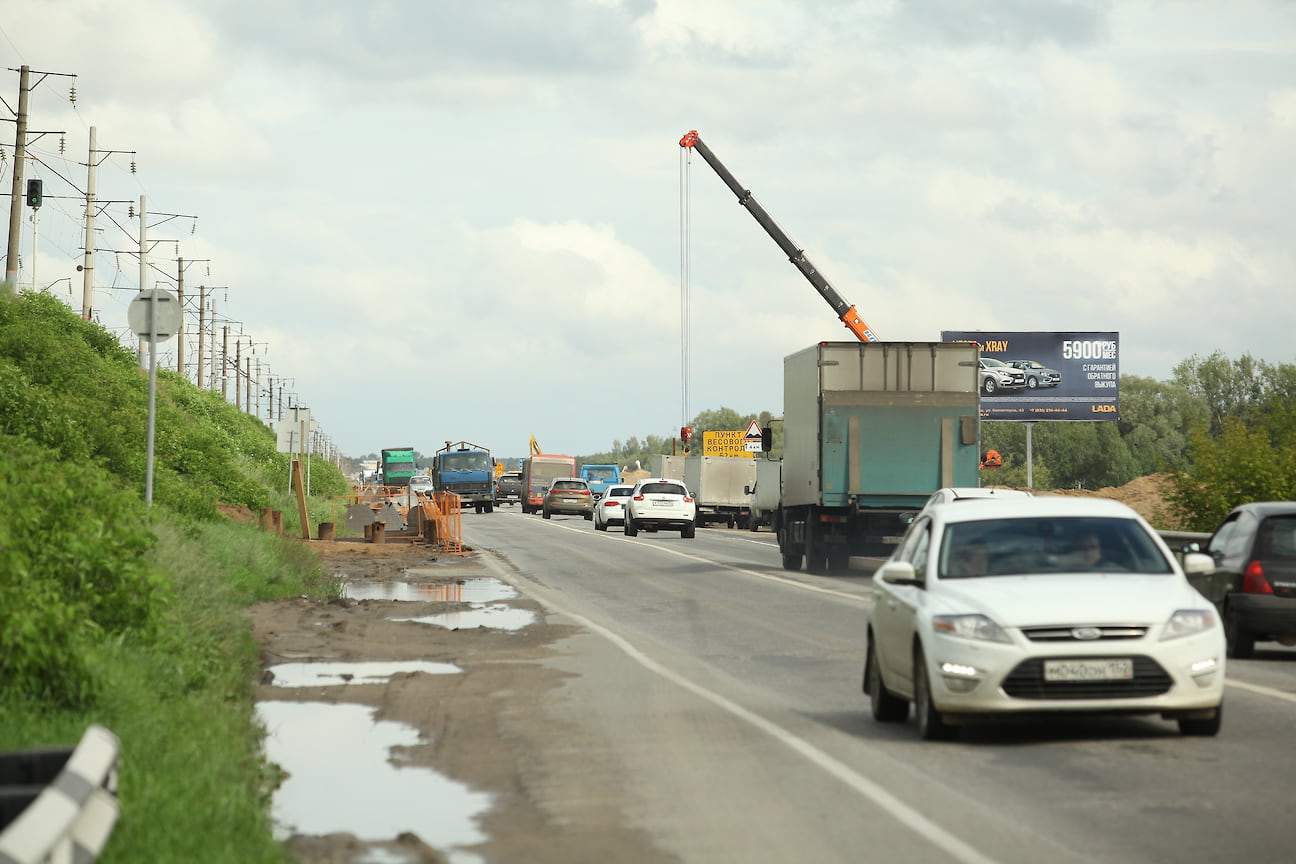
[(481, 727)]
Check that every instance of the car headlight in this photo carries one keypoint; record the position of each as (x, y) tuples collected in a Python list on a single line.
[(970, 627), (1186, 622)]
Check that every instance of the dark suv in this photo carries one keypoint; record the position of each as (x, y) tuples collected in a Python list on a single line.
[(508, 488), (1037, 374), (1254, 583)]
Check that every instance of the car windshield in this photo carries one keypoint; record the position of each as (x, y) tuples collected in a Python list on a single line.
[(662, 489), (619, 491), (990, 361), (568, 484), (1015, 546)]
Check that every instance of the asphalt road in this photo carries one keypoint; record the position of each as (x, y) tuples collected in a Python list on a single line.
[(725, 693)]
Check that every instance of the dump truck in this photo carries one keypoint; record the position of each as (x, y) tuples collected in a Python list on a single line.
[(465, 469), (719, 485), (871, 430)]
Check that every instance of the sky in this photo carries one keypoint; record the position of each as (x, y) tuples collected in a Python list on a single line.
[(441, 221)]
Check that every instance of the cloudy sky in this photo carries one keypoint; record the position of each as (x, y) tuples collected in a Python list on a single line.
[(462, 220)]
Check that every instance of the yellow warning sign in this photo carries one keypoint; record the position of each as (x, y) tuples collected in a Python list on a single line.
[(725, 444)]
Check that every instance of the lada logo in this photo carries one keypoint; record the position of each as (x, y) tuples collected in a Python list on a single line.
[(1103, 409), (1087, 634)]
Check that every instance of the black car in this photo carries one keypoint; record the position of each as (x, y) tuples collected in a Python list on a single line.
[(508, 488), (1254, 583)]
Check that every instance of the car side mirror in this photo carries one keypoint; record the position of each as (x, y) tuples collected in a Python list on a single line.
[(1198, 564), (901, 573)]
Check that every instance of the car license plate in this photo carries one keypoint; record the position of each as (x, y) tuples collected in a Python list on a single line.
[(663, 503), (1089, 670), (571, 500)]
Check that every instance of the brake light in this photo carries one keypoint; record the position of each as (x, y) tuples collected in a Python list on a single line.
[(1254, 581), (612, 504), (584, 491), (638, 497), (688, 500)]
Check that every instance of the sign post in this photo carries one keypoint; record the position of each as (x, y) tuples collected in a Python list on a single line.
[(156, 315)]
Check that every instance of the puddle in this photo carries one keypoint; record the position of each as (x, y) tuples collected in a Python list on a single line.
[(497, 617), (367, 672), (341, 779), (483, 590)]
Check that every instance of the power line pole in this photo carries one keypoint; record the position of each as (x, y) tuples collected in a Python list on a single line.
[(16, 199)]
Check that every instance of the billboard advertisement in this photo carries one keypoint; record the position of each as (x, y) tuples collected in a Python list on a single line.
[(1064, 376)]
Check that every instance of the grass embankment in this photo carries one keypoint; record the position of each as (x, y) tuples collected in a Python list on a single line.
[(131, 617)]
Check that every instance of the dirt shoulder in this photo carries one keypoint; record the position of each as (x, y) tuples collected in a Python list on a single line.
[(481, 727)]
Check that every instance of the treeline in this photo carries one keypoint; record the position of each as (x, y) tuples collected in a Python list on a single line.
[(1224, 428)]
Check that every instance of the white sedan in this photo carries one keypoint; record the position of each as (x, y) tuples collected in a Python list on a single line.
[(610, 508), (1037, 606)]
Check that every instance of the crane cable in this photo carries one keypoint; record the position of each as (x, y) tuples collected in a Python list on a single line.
[(686, 334)]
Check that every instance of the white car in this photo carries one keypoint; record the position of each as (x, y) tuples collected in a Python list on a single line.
[(1037, 606), (421, 484), (953, 494), (655, 503), (610, 507)]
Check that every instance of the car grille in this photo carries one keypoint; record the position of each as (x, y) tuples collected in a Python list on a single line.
[(1026, 681), (1068, 633)]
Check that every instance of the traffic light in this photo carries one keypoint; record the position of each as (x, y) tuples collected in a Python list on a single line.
[(767, 439), (34, 191), (686, 433)]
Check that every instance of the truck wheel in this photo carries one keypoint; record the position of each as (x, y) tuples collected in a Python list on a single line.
[(477, 508), (816, 557), (630, 528), (689, 531), (490, 508), (791, 561)]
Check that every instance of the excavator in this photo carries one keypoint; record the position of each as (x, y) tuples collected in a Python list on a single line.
[(845, 311)]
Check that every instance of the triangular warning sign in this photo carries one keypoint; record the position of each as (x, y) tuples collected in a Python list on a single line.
[(753, 432)]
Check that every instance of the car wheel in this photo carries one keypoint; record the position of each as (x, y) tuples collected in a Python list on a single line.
[(688, 531), (631, 529), (600, 525), (887, 708), (931, 725), (1207, 727), (1032, 382), (546, 513), (1240, 640), (589, 516), (988, 386)]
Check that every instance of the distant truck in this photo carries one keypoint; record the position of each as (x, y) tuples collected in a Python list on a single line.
[(397, 466), (466, 470), (538, 471), (765, 494), (718, 485), (600, 477), (871, 430)]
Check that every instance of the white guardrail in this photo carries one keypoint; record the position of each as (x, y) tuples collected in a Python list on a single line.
[(71, 814)]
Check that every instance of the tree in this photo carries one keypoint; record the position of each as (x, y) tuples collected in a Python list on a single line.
[(1231, 468)]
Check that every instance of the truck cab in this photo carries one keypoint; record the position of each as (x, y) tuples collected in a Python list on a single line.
[(466, 470), (600, 477)]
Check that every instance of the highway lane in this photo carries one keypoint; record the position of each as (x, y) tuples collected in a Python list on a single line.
[(756, 666)]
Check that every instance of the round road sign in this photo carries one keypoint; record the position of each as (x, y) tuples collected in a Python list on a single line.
[(139, 315)]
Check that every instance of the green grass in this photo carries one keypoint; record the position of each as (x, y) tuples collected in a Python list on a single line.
[(193, 784)]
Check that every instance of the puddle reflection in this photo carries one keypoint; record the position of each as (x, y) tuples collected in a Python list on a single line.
[(341, 779), (497, 617), (484, 590), (365, 672)]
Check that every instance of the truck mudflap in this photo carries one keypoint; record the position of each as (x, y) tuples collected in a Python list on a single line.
[(739, 517)]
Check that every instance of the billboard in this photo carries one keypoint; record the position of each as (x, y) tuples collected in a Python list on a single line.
[(1065, 376)]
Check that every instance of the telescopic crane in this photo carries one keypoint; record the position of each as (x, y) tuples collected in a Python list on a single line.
[(845, 311)]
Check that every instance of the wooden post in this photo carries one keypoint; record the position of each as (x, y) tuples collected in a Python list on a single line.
[(379, 532), (326, 531), (299, 485), (267, 519)]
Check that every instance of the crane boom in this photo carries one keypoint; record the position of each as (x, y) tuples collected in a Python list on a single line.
[(845, 311)]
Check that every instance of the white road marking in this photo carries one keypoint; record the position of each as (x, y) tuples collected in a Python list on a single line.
[(1262, 690), (901, 812)]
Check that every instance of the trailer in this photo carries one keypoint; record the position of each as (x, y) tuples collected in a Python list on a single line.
[(720, 486)]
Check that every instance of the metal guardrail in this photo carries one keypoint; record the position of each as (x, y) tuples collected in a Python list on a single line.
[(60, 817)]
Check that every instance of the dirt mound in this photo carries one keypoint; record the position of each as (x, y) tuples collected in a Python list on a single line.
[(1146, 495)]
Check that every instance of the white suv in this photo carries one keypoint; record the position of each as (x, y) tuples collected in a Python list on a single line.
[(657, 503)]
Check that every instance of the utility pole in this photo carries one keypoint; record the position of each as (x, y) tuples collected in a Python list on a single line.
[(224, 361), (180, 268), (16, 199), (87, 267), (202, 333), (143, 256)]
